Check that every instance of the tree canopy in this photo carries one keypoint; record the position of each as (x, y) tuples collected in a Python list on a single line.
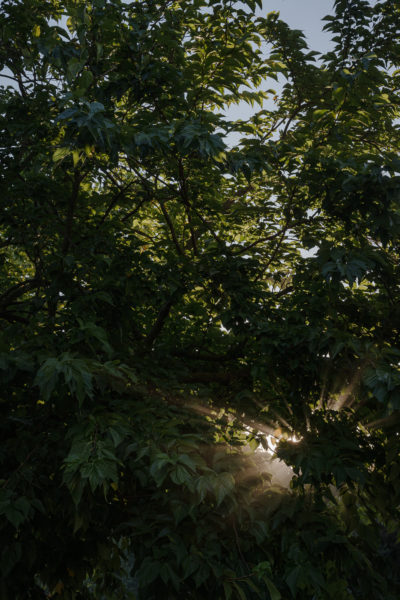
[(178, 288)]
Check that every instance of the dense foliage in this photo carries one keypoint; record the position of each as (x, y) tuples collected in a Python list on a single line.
[(175, 285)]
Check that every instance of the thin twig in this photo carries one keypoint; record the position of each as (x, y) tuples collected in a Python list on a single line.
[(171, 228)]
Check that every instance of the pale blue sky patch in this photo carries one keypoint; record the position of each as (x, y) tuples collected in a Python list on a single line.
[(305, 15)]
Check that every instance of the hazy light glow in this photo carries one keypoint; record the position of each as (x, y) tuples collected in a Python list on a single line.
[(267, 460)]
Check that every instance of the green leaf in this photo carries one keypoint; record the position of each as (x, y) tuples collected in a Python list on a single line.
[(239, 591), (292, 579), (84, 81), (227, 590), (117, 437), (60, 154), (273, 591), (339, 94), (180, 475)]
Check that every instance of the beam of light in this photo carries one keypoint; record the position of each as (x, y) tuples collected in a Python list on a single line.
[(281, 473), (266, 458), (383, 422), (346, 397)]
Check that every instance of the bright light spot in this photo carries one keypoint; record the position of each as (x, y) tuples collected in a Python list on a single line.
[(273, 440), (268, 461)]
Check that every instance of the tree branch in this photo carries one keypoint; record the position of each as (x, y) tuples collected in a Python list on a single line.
[(209, 356), (17, 290), (185, 197), (121, 193), (259, 241), (71, 212), (171, 228), (132, 212), (224, 378), (11, 318), (159, 322)]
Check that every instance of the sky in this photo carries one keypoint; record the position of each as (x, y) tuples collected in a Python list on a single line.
[(306, 15)]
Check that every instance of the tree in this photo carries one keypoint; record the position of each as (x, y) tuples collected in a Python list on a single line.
[(168, 301)]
